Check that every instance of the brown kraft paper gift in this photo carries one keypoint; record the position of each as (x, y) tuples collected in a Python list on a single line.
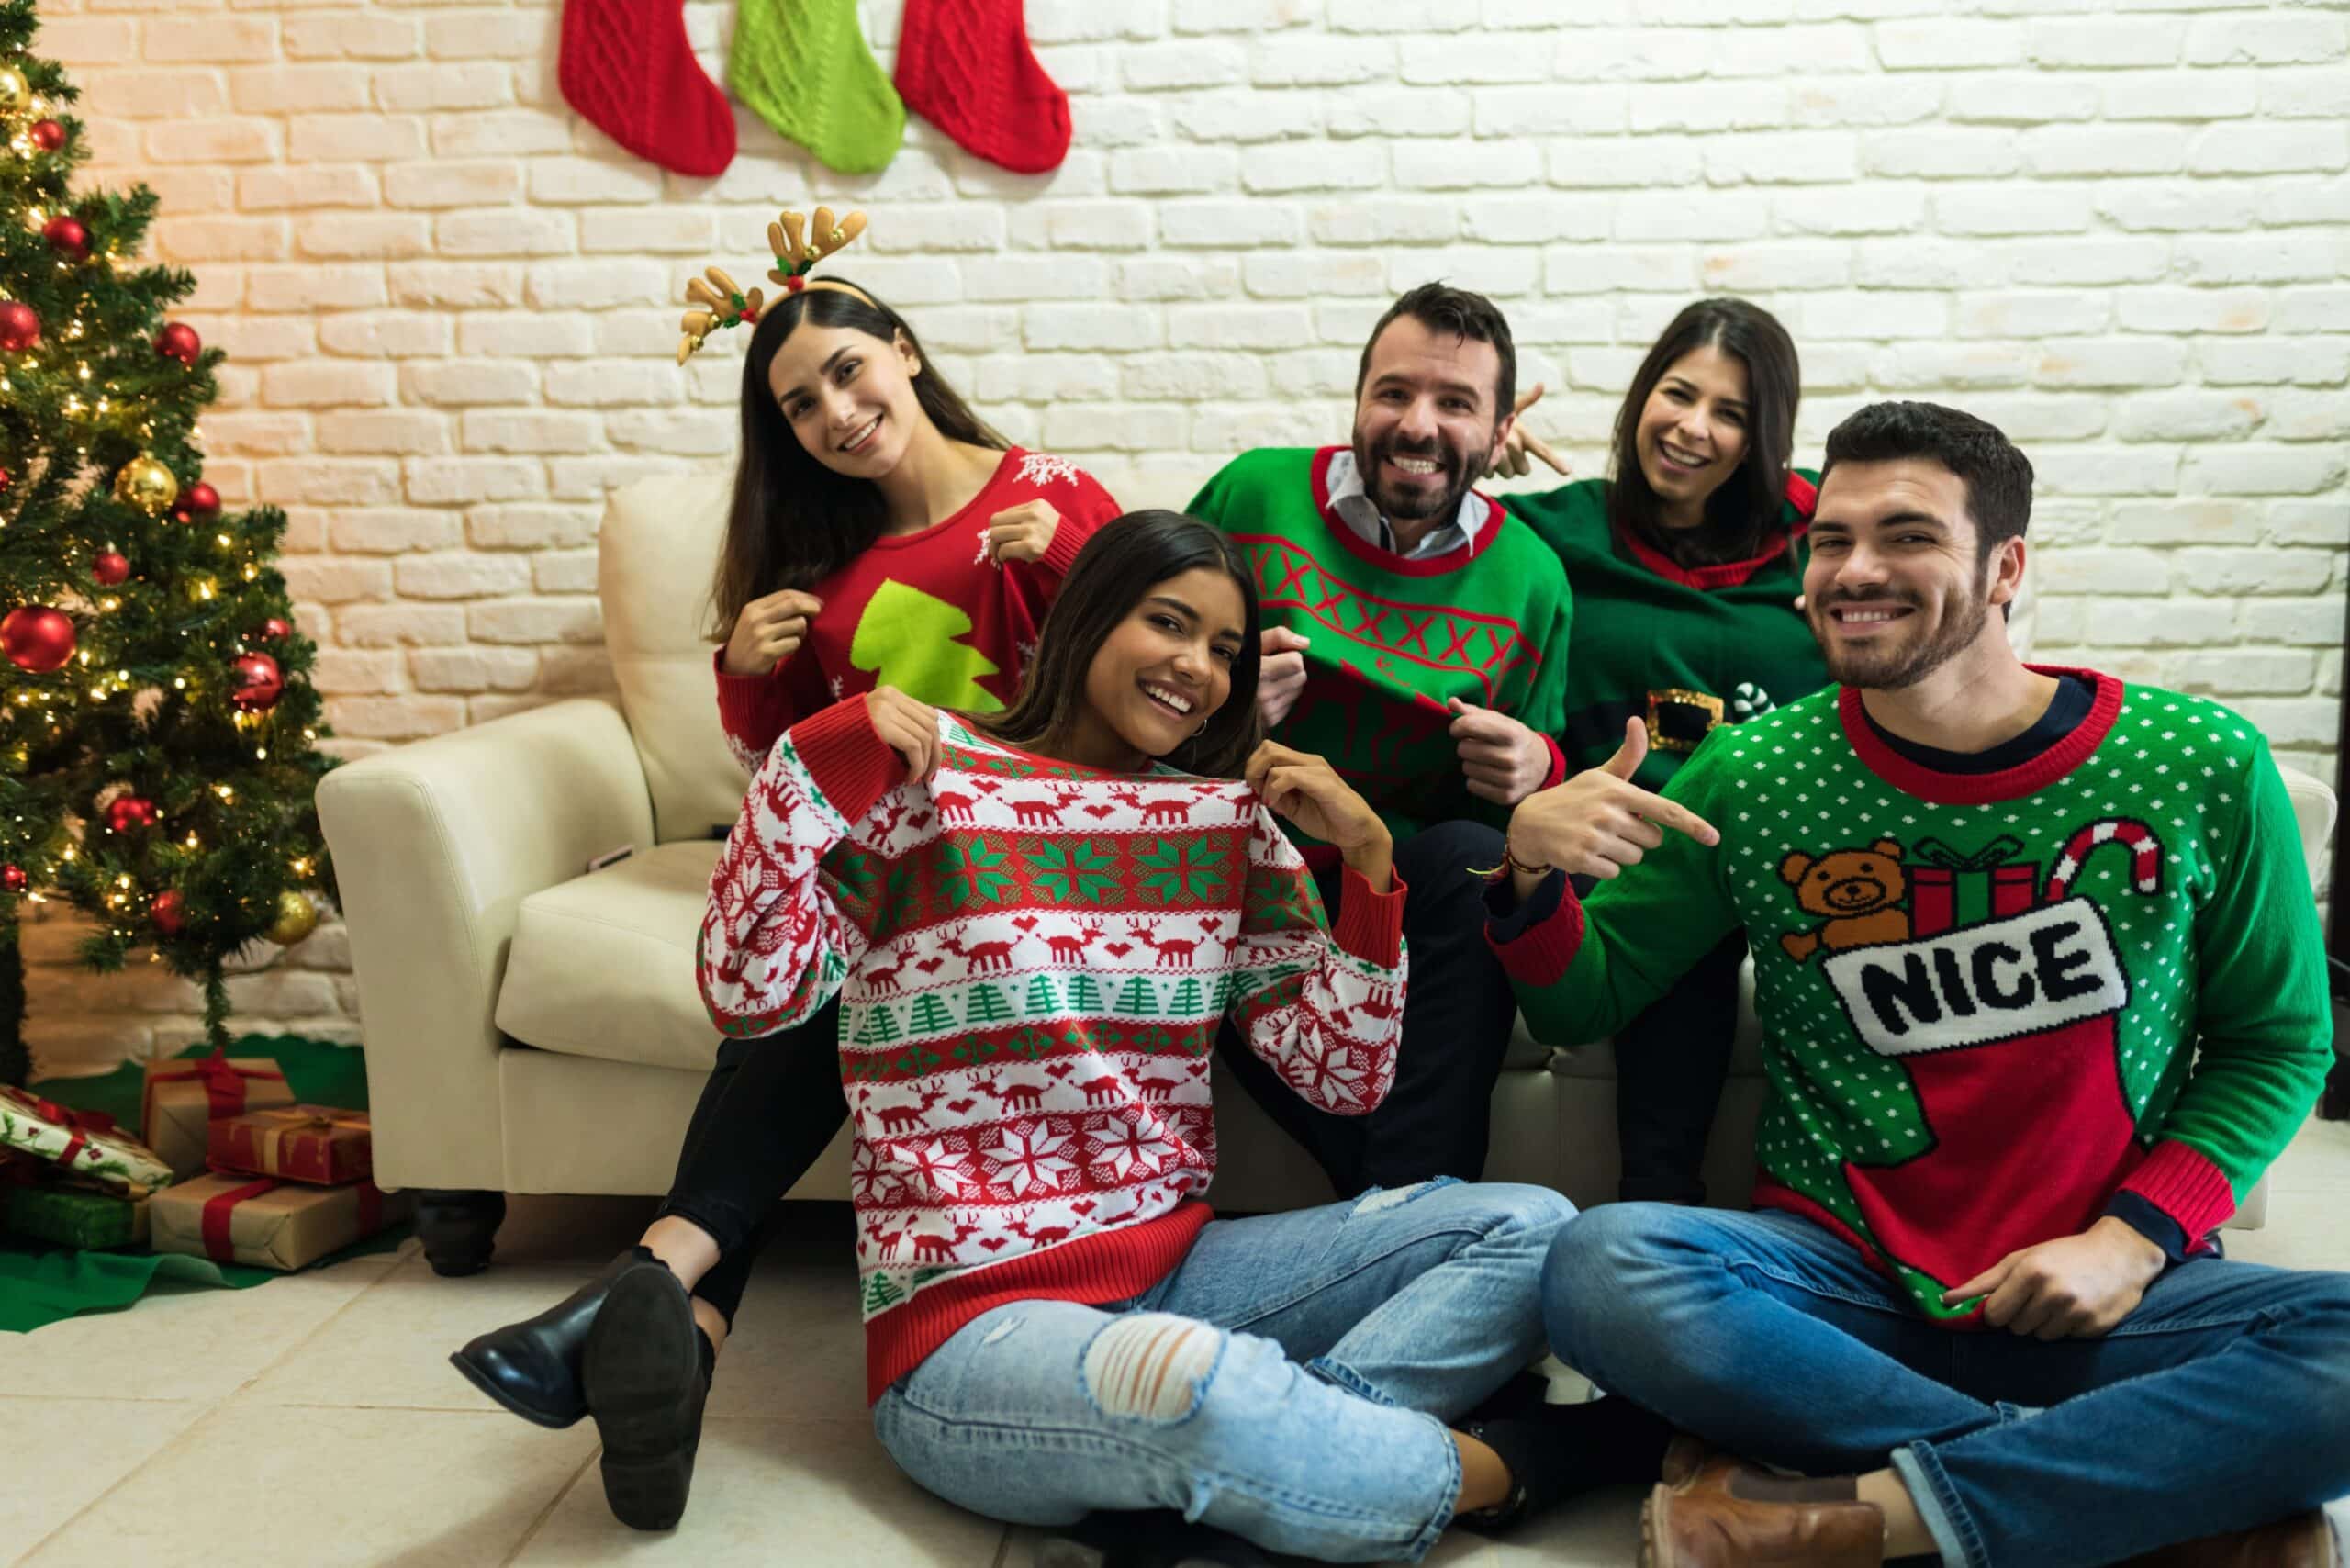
[(268, 1223)]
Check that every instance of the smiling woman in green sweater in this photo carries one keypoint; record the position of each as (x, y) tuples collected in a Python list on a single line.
[(1685, 566)]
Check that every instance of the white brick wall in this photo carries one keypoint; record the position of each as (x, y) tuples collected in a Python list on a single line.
[(2122, 232)]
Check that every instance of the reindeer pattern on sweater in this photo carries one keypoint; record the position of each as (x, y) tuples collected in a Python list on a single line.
[(1033, 961)]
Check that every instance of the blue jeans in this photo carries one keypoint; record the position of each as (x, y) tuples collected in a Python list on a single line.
[(1290, 1382), (2221, 1403)]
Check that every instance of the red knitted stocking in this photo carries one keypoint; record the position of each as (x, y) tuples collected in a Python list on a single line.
[(627, 67), (965, 66)]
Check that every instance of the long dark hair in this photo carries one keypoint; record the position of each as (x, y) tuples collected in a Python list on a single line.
[(1121, 562), (1744, 508), (792, 521)]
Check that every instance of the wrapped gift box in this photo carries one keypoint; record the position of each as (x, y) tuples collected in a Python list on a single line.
[(265, 1222), (184, 1097), (79, 1144), (302, 1143), (73, 1217)]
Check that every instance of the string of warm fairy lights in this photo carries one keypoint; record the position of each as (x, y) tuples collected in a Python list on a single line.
[(88, 356)]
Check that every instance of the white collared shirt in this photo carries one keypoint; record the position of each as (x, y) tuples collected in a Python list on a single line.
[(1359, 512)]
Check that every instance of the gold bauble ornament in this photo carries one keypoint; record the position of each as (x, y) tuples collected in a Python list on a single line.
[(297, 918), (147, 485), (16, 92)]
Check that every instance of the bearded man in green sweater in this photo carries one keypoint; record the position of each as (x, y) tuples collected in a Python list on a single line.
[(2043, 995), (1416, 634)]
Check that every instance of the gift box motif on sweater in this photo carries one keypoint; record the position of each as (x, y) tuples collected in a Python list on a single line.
[(301, 1143), (268, 1223), (184, 1097), (1954, 889), (79, 1144)]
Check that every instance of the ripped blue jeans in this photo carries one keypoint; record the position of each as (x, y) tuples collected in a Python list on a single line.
[(1291, 1381)]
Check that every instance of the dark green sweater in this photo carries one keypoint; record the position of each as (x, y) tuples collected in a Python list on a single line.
[(1684, 649)]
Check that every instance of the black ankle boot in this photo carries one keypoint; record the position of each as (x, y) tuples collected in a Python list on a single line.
[(1557, 1451), (647, 1376), (533, 1367)]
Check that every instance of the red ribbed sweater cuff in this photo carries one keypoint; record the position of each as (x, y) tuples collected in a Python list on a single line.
[(847, 758), (2181, 1180)]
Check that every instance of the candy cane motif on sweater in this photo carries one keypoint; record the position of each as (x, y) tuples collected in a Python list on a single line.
[(2145, 856)]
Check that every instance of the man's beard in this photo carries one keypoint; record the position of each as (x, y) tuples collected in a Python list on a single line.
[(1414, 506), (1868, 668)]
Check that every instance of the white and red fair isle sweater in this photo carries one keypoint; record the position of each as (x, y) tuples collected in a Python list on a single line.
[(1032, 960)]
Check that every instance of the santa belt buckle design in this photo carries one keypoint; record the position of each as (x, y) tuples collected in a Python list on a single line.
[(1678, 718)]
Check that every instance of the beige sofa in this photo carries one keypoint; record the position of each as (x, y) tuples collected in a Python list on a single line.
[(533, 1028)]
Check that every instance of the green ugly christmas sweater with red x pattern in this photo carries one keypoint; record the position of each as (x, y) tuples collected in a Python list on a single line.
[(1033, 959), (1391, 640), (1991, 1003)]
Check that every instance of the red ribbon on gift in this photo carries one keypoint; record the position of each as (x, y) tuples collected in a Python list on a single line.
[(216, 1209), (224, 1084)]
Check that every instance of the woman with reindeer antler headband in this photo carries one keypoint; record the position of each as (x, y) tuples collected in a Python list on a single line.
[(880, 535)]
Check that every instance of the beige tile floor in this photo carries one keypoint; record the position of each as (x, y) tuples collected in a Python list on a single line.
[(314, 1421)]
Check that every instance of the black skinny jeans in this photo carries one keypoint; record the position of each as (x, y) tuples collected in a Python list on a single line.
[(771, 1106), (1670, 1063), (1458, 1013)]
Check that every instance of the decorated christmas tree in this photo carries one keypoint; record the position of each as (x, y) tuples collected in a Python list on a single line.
[(156, 718)]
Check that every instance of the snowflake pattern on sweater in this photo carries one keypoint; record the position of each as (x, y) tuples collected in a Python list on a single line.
[(1033, 959)]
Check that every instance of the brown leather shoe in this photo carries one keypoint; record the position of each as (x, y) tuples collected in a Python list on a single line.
[(1684, 1456), (2305, 1540), (1758, 1520)]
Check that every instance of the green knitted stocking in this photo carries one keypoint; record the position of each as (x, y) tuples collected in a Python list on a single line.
[(802, 66)]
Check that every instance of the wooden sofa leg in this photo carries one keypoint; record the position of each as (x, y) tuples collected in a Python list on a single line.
[(459, 1228)]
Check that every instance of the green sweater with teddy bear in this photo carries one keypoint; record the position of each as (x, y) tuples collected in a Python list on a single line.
[(1992, 1003)]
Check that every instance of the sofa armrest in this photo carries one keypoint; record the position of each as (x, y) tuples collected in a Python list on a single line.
[(2313, 812), (435, 846)]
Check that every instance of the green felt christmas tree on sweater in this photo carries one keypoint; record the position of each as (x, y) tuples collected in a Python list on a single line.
[(156, 718)]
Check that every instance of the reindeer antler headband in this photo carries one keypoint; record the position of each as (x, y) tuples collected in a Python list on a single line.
[(717, 304)]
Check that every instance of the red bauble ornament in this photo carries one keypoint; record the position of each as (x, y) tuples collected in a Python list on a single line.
[(12, 877), (165, 912), (258, 682), (272, 630), (48, 135), (178, 341), (199, 503), (19, 326), (68, 237), (37, 638), (127, 812), (7, 479), (110, 568)]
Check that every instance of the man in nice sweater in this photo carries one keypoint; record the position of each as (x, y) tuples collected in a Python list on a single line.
[(2041, 993), (1413, 633)]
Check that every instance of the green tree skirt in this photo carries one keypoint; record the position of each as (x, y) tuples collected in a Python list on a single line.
[(39, 1284)]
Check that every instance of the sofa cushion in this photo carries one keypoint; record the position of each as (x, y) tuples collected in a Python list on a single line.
[(656, 552), (603, 965)]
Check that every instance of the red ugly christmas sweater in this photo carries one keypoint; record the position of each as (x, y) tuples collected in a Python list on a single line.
[(1033, 959), (925, 612)]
